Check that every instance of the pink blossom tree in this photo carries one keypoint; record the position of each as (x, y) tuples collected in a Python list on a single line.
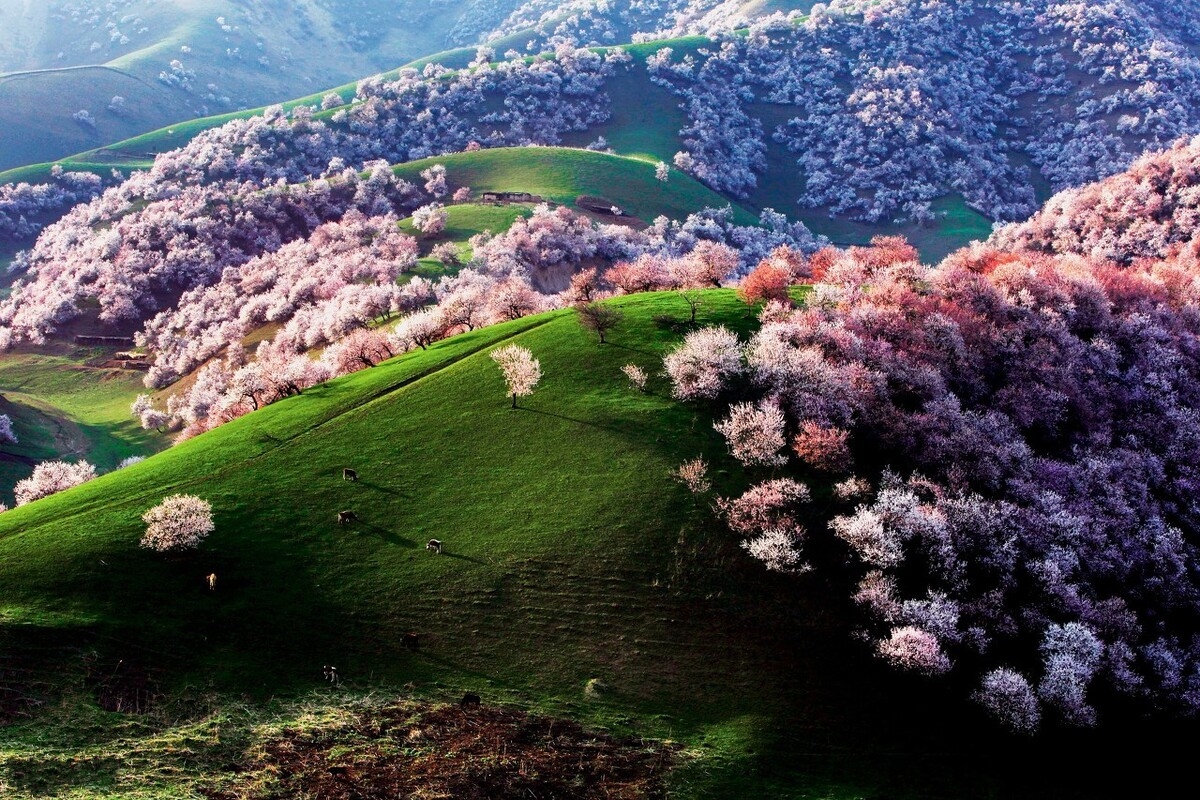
[(755, 433), (363, 348), (420, 329), (823, 447), (914, 649), (435, 180), (694, 475)]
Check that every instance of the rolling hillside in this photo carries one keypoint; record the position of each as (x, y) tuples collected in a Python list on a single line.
[(61, 58), (170, 62), (926, 142), (572, 560)]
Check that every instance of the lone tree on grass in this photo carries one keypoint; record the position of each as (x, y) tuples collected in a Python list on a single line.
[(179, 522), (520, 369), (598, 318), (694, 299)]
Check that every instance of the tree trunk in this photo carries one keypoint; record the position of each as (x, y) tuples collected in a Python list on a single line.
[(514, 405)]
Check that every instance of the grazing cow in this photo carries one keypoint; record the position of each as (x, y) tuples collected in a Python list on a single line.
[(434, 544), (349, 475), (469, 699), (331, 674), (345, 517), (211, 578), (410, 641)]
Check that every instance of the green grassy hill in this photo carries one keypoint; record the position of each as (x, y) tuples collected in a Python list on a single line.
[(561, 175), (66, 405), (571, 557)]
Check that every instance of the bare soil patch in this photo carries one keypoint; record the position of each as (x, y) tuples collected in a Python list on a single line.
[(476, 753)]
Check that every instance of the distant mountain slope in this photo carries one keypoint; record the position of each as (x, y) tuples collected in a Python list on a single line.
[(168, 62)]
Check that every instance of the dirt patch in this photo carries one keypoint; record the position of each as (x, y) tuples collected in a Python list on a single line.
[(599, 205), (478, 753)]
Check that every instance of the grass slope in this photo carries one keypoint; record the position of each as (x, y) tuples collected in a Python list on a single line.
[(62, 407), (571, 556), (562, 174)]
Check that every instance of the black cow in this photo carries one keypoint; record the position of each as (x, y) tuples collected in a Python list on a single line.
[(349, 474), (345, 517), (468, 700)]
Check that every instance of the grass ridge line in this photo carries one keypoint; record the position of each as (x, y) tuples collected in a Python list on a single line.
[(276, 443)]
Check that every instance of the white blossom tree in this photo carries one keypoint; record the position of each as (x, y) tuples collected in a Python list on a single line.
[(179, 522), (755, 434), (51, 477), (430, 219), (7, 434), (520, 369), (702, 365)]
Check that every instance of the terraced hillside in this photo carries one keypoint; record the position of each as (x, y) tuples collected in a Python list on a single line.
[(578, 580)]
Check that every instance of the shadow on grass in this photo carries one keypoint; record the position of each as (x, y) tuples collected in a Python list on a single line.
[(388, 535), (377, 487), (461, 557), (642, 350), (573, 419)]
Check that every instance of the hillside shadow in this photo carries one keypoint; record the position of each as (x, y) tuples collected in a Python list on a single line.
[(589, 423), (642, 350)]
